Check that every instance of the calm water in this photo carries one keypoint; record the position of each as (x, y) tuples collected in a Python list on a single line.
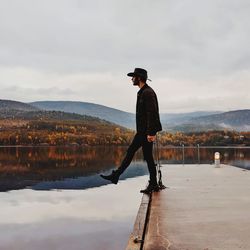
[(53, 197)]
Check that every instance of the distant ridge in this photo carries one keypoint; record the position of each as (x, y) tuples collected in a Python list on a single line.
[(180, 118), (122, 118), (119, 117), (14, 105), (237, 119), (184, 122), (48, 115), (22, 111)]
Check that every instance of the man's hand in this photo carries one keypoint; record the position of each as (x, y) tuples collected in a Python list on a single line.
[(151, 138)]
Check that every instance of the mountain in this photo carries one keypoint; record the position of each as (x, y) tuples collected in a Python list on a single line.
[(122, 118), (185, 122), (47, 115), (6, 105), (238, 120), (19, 110), (171, 119), (24, 125), (119, 117), (193, 128)]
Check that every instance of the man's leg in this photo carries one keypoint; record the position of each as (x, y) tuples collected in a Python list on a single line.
[(134, 146), (147, 149)]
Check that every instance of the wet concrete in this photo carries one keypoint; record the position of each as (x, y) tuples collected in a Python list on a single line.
[(204, 208), (136, 238)]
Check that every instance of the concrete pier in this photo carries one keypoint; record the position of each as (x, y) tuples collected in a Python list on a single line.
[(203, 208)]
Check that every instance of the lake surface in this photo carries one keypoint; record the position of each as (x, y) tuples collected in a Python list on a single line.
[(53, 197), (98, 218)]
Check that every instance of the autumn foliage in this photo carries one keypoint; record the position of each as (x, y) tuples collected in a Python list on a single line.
[(63, 133), (54, 132)]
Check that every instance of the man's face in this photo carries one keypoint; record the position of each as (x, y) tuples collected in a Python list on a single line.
[(135, 81)]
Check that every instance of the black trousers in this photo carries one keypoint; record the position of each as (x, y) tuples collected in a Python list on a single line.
[(140, 140)]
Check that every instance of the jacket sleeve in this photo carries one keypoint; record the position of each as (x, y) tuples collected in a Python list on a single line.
[(151, 108)]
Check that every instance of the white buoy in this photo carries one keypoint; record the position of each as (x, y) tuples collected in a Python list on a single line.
[(217, 159)]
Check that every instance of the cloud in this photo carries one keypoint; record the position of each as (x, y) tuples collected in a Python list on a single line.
[(38, 93), (86, 48)]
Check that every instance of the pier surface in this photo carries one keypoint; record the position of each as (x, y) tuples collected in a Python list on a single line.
[(203, 208)]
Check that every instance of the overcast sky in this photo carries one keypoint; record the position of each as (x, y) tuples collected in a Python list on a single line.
[(196, 52)]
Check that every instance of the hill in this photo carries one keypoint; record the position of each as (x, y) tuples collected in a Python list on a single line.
[(6, 105), (238, 120), (184, 122), (122, 118), (175, 119), (22, 125)]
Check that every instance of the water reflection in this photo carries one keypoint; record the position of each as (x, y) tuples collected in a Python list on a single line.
[(239, 157), (26, 166), (97, 218), (78, 167), (84, 182)]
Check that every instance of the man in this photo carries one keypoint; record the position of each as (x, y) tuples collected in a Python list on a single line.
[(147, 125)]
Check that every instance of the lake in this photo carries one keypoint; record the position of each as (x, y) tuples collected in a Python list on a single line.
[(53, 197)]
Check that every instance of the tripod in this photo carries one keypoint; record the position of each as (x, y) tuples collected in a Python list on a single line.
[(158, 165)]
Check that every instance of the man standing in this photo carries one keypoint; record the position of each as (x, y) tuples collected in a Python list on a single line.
[(147, 125)]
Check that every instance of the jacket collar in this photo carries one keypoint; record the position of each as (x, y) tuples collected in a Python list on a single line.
[(140, 91)]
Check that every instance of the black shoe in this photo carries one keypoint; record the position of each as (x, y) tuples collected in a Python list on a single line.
[(113, 177), (150, 188)]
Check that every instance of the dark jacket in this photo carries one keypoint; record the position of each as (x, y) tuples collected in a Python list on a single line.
[(147, 112)]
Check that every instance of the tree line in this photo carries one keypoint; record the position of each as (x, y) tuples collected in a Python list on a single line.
[(91, 134)]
